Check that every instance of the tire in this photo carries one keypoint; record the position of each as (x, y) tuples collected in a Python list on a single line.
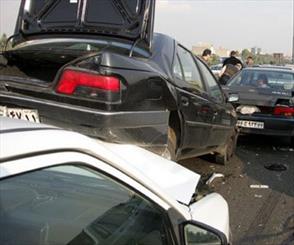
[(232, 145), (222, 158), (170, 151), (229, 150), (285, 141)]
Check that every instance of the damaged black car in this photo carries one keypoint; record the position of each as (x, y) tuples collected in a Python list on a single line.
[(97, 67), (264, 101)]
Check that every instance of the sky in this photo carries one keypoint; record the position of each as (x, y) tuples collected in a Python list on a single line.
[(233, 24)]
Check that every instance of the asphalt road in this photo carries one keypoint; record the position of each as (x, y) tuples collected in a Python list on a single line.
[(257, 215)]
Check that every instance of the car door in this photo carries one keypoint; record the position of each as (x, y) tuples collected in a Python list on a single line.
[(222, 121), (72, 198), (193, 104)]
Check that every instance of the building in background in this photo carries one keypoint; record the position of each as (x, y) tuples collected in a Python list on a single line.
[(200, 47), (222, 52), (278, 57), (219, 51), (256, 50)]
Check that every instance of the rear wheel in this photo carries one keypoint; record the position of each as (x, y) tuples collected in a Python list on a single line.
[(170, 151), (222, 159), (287, 141)]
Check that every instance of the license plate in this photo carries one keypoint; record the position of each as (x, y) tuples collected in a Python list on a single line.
[(250, 124), (18, 113)]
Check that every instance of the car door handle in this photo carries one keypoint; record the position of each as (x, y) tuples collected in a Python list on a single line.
[(184, 101)]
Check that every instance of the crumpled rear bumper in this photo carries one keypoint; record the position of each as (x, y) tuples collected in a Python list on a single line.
[(143, 128), (275, 126)]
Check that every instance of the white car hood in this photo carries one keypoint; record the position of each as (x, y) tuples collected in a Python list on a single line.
[(212, 210), (175, 180)]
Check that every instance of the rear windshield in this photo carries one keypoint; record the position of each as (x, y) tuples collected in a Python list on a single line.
[(277, 80), (79, 46)]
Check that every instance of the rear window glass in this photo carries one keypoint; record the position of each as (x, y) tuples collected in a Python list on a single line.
[(80, 45), (265, 79)]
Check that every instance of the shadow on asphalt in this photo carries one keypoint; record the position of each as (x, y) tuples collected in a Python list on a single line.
[(258, 216), (253, 153), (256, 152)]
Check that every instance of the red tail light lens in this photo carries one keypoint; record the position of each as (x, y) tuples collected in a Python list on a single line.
[(70, 80), (284, 111)]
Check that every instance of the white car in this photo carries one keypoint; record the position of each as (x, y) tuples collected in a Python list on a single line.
[(60, 187), (216, 69)]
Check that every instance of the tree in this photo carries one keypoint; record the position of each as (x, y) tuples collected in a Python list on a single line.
[(215, 59), (245, 53)]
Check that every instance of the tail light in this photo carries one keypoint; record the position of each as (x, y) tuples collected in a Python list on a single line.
[(281, 110), (86, 84)]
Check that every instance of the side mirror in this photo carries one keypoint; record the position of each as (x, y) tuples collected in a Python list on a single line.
[(233, 98), (200, 234)]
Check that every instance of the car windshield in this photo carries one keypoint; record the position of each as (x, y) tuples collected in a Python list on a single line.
[(216, 67), (277, 80), (72, 204)]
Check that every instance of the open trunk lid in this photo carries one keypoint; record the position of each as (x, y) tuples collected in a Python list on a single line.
[(128, 19)]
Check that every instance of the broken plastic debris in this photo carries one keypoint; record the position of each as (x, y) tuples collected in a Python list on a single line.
[(258, 196), (214, 176), (284, 149), (259, 186), (276, 167)]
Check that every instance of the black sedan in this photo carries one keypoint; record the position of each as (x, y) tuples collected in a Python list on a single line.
[(264, 100), (96, 67)]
